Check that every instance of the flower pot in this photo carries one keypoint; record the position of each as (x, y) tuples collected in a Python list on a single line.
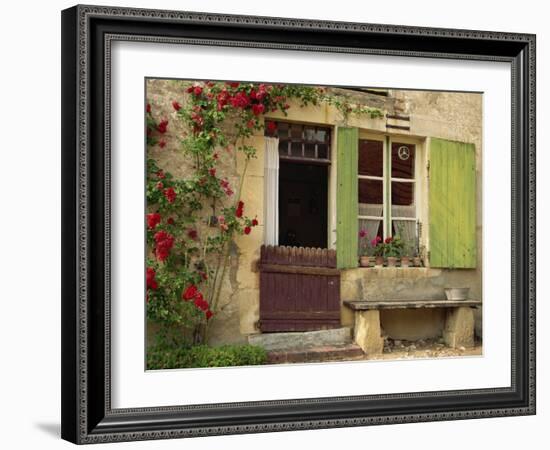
[(392, 261), (364, 261), (379, 261), (417, 261), (405, 261)]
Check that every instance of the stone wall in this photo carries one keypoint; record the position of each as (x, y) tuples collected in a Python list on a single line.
[(455, 116)]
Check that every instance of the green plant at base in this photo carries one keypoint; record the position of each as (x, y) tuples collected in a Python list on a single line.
[(162, 357)]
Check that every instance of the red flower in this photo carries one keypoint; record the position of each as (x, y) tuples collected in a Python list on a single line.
[(258, 109), (223, 98), (234, 85), (226, 188), (240, 100), (159, 185), (190, 292), (362, 233), (201, 303), (251, 123), (388, 240), (150, 276), (176, 105), (162, 126), (271, 127), (164, 243), (239, 210), (247, 230), (204, 275), (212, 172), (153, 219), (192, 233), (162, 143), (209, 314), (378, 239), (160, 174), (170, 194), (170, 221), (148, 107), (254, 222), (197, 91), (189, 89)]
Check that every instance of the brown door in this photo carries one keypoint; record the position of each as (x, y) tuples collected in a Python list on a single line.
[(299, 289)]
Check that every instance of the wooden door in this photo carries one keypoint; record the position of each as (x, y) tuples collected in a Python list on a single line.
[(299, 289)]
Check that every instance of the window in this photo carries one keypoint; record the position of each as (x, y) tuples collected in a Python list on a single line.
[(387, 189), (306, 143)]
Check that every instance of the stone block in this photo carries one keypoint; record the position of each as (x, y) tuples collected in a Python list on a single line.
[(368, 334), (459, 327)]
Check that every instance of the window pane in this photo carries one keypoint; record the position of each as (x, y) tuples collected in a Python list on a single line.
[(310, 150), (370, 192), (309, 133), (283, 148), (282, 130), (321, 135), (402, 194), (296, 149), (322, 151), (402, 160), (296, 131), (371, 157)]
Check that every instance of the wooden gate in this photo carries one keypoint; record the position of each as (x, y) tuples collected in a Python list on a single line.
[(299, 289)]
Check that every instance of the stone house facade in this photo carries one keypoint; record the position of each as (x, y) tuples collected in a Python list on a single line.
[(419, 133)]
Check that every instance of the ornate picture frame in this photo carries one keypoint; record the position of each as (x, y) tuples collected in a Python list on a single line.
[(87, 35)]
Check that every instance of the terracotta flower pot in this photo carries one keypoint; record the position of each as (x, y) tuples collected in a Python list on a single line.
[(392, 261), (405, 261), (364, 261), (379, 261)]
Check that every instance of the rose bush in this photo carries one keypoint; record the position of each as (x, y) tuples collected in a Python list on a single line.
[(191, 220)]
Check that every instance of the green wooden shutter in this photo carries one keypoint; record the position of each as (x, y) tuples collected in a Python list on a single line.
[(346, 198), (452, 204)]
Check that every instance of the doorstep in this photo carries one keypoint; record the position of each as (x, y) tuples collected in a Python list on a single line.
[(349, 352)]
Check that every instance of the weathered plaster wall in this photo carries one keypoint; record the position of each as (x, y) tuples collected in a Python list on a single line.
[(455, 116)]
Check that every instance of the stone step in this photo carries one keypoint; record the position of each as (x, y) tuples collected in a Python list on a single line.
[(300, 340), (349, 352)]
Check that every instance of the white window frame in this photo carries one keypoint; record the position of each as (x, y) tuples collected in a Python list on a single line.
[(386, 179)]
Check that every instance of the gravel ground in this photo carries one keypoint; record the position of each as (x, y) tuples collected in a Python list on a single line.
[(397, 349)]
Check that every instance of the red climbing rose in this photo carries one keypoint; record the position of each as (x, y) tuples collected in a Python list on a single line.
[(190, 292), (164, 242), (153, 219), (170, 194), (162, 126), (151, 282)]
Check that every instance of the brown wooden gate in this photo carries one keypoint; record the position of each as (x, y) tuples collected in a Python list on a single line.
[(299, 289)]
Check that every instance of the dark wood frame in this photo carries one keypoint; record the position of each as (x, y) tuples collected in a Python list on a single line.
[(87, 32)]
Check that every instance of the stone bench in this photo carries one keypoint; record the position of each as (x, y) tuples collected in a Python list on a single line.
[(458, 330)]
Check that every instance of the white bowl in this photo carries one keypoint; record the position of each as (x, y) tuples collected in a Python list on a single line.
[(457, 293)]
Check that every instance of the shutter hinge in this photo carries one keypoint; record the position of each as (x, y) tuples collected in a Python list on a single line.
[(428, 170)]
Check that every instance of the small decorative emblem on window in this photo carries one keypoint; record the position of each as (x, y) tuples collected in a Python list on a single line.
[(403, 152)]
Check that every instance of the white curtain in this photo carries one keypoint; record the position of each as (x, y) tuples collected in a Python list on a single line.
[(271, 191), (370, 225), (407, 228)]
